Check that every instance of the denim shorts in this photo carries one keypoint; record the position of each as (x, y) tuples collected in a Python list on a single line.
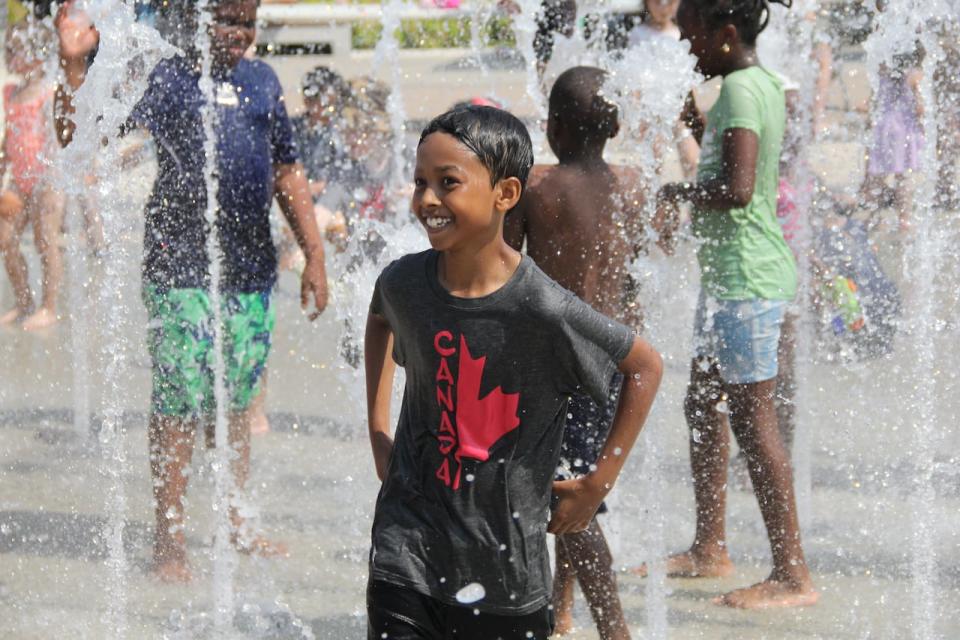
[(740, 335)]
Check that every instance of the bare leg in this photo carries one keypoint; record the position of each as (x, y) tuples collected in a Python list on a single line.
[(786, 391), (564, 580), (92, 222), (46, 213), (171, 448), (16, 266), (709, 455), (590, 558), (753, 419), (259, 424), (903, 197), (246, 541)]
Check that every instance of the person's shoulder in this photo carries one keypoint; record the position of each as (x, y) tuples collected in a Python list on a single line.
[(406, 270), (753, 79), (537, 180), (259, 71), (542, 296), (170, 68)]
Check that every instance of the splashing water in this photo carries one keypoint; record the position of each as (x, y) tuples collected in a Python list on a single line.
[(114, 84)]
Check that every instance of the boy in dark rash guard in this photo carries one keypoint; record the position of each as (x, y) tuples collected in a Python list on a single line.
[(492, 349)]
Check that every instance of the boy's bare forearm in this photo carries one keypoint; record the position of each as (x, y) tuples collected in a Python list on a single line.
[(642, 369), (380, 369), (293, 195)]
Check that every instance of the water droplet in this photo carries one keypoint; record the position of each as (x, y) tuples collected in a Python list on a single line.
[(470, 477), (723, 407), (471, 593), (695, 434), (617, 451)]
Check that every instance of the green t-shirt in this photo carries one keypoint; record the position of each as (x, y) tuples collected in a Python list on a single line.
[(743, 255)]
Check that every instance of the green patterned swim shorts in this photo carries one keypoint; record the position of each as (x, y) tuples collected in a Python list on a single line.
[(180, 341)]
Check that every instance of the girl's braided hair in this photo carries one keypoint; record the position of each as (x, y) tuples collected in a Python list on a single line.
[(750, 17)]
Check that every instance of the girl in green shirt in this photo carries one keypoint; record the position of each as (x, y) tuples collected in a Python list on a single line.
[(748, 276)]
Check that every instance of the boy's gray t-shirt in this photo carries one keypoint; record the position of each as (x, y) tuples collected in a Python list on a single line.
[(465, 504)]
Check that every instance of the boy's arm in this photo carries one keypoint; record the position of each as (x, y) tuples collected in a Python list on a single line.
[(578, 500), (293, 195), (377, 347)]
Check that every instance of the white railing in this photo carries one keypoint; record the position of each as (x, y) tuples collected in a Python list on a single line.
[(320, 14)]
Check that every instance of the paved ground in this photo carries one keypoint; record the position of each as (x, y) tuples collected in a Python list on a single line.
[(313, 484)]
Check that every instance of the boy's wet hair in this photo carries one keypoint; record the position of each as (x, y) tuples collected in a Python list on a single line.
[(496, 137), (750, 17), (577, 101)]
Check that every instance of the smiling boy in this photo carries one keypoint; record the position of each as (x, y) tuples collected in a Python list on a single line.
[(492, 350)]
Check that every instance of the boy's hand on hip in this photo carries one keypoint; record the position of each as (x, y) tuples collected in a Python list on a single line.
[(314, 282), (577, 502)]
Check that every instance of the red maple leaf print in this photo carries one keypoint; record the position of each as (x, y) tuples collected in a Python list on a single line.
[(481, 421)]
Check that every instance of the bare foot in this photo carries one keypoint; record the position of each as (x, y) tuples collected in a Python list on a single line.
[(172, 571), (690, 565), (10, 316), (42, 319), (259, 424), (770, 594), (262, 547)]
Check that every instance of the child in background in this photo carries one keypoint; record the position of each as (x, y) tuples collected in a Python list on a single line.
[(321, 142), (748, 277), (29, 199), (319, 130), (897, 135), (369, 139), (581, 220), (658, 21), (492, 350), (257, 162)]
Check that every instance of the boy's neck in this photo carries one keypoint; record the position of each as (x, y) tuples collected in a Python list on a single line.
[(587, 156), (477, 272)]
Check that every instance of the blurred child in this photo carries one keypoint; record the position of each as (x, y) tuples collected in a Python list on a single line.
[(319, 130), (370, 176), (748, 277), (319, 134), (581, 220), (897, 135), (492, 350), (257, 162), (658, 20), (29, 199)]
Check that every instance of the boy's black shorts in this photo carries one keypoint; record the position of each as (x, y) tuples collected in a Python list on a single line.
[(400, 613)]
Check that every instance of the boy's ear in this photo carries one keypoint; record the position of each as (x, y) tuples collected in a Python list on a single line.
[(615, 129), (509, 191)]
